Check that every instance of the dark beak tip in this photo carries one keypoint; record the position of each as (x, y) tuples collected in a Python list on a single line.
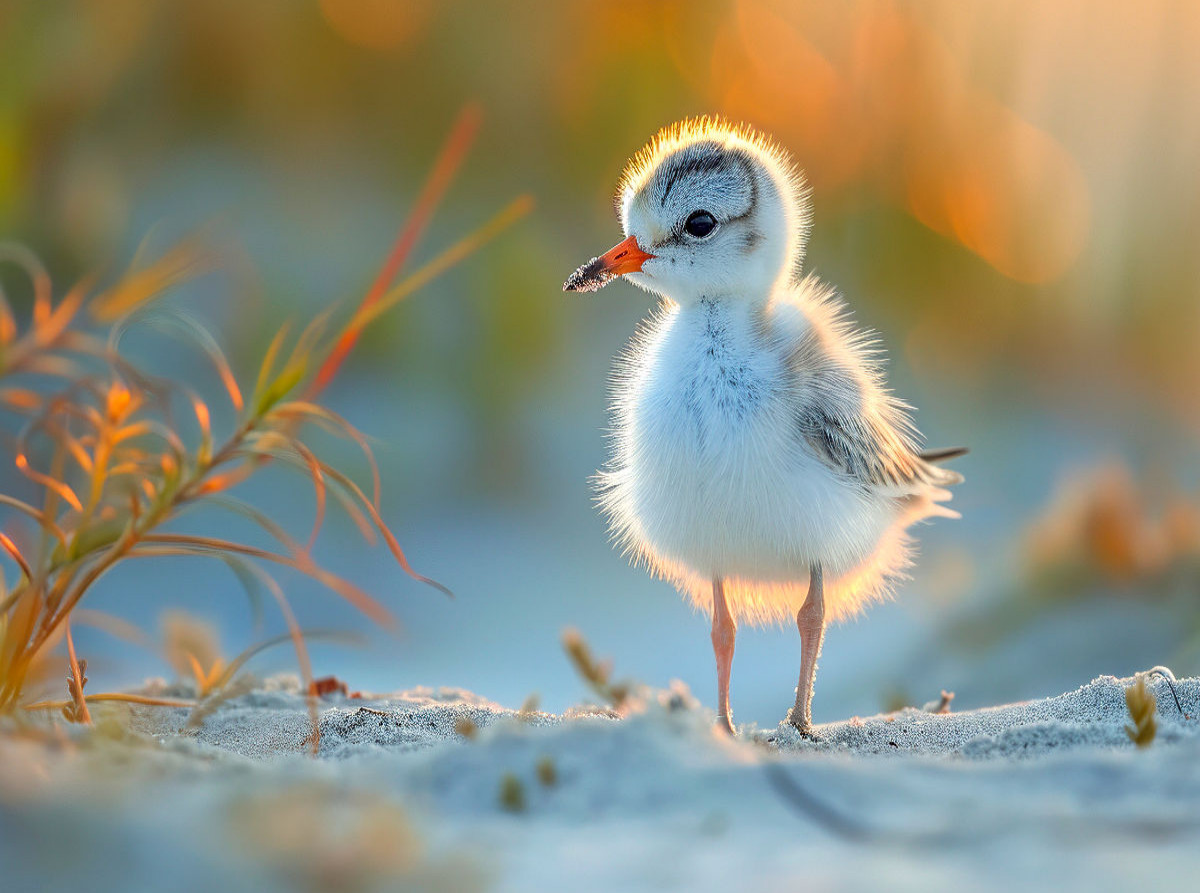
[(589, 277)]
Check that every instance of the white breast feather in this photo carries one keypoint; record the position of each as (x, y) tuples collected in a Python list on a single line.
[(710, 474)]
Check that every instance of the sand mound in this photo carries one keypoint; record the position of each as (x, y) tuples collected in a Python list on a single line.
[(1048, 793)]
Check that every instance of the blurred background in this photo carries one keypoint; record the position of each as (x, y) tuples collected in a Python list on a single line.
[(1008, 192)]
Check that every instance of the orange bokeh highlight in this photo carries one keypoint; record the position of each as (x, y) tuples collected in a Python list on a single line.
[(867, 92), (377, 24)]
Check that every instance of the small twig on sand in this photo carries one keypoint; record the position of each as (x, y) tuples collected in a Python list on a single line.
[(942, 705), (373, 710), (1165, 673)]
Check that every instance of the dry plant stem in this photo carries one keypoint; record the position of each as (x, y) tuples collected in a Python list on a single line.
[(1165, 673), (118, 697), (302, 658), (595, 673), (15, 554), (83, 713), (724, 634), (66, 591), (1142, 707), (65, 597)]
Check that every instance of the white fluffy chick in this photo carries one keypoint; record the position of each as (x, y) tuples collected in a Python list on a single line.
[(758, 461)]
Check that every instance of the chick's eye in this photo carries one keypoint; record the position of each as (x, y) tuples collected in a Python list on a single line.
[(700, 224)]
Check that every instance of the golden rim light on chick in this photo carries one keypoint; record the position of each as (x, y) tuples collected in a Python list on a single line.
[(759, 462)]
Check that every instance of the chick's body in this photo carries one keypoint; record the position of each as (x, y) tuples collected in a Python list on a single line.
[(712, 474)]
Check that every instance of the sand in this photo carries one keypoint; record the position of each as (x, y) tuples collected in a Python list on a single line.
[(1044, 794)]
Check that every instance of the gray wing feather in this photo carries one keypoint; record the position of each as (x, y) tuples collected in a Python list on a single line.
[(844, 413), (867, 450)]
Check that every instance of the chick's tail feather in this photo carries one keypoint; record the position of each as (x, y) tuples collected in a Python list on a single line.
[(944, 455)]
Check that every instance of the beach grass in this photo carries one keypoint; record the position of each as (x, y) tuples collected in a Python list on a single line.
[(116, 454)]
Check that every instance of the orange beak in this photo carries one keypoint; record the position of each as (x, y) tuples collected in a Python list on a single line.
[(624, 257)]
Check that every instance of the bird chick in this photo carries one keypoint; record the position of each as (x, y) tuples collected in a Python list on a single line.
[(758, 461)]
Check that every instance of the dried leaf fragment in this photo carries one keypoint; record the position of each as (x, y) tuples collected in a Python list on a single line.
[(328, 685), (1142, 707), (512, 793)]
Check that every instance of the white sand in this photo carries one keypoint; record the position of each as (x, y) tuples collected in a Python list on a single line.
[(1047, 794)]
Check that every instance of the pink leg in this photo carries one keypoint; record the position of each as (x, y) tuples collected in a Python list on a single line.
[(724, 631), (810, 620)]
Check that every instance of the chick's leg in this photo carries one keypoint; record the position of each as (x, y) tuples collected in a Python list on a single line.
[(724, 631), (810, 620)]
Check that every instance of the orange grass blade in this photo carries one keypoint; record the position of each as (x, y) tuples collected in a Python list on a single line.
[(183, 261), (207, 545), (217, 357), (339, 426), (204, 420), (114, 696), (222, 482), (46, 364), (37, 515), (449, 159), (50, 501), (48, 482), (71, 444), (191, 332), (21, 399), (152, 427), (514, 211), (318, 480), (47, 331), (268, 362), (38, 277), (11, 548), (295, 368), (198, 674), (84, 342), (133, 430), (8, 322), (15, 651), (384, 531), (348, 504), (150, 490), (127, 468)]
